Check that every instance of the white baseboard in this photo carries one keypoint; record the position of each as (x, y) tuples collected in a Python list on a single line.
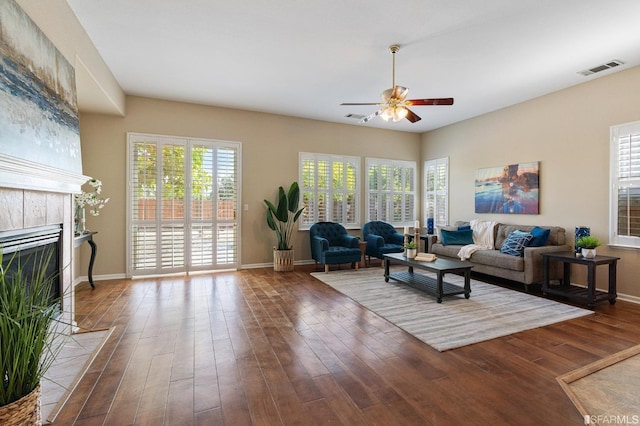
[(270, 264), (96, 278)]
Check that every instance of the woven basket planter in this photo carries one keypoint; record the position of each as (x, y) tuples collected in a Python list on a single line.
[(25, 411), (282, 260)]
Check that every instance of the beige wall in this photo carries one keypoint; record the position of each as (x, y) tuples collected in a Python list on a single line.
[(568, 132), (270, 147)]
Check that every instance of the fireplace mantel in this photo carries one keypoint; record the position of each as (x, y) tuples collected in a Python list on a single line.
[(18, 173)]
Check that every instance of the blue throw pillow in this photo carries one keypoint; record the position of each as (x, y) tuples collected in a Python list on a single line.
[(515, 243), (463, 237), (540, 237), (464, 228)]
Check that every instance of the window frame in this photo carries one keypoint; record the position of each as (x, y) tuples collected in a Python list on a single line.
[(618, 132), (435, 193), (305, 221), (408, 218)]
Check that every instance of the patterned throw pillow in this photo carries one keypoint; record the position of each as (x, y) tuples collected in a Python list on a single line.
[(515, 243)]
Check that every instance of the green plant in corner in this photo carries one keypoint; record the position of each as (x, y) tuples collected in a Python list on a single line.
[(281, 218), (588, 242), (28, 336)]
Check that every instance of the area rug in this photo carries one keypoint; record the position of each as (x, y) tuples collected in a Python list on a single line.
[(78, 352), (491, 312), (608, 390)]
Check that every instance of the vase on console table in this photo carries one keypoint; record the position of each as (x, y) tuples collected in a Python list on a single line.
[(581, 231), (80, 222)]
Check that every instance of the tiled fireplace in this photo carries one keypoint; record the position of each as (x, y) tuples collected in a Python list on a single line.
[(37, 197)]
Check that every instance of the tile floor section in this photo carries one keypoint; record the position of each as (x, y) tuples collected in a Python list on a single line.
[(67, 370)]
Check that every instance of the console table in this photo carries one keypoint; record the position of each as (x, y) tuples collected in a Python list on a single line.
[(78, 239), (590, 294)]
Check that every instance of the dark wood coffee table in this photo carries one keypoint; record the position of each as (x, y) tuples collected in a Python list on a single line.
[(434, 286)]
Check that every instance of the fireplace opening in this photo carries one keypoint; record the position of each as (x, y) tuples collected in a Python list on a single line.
[(29, 248)]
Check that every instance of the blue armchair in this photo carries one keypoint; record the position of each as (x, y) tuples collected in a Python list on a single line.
[(382, 238), (331, 245)]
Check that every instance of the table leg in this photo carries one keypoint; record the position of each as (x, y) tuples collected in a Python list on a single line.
[(94, 249), (386, 262), (566, 278), (591, 284), (439, 291), (612, 283), (545, 272), (467, 283)]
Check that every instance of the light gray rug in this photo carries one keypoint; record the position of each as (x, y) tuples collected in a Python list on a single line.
[(491, 312)]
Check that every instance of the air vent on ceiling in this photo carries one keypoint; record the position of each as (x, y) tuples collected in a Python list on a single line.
[(355, 116), (611, 64)]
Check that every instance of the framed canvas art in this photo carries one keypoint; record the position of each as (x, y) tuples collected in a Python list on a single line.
[(511, 189), (38, 103)]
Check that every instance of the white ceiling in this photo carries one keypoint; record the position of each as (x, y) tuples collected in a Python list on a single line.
[(303, 58)]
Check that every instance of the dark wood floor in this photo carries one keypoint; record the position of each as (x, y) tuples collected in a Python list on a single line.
[(266, 348)]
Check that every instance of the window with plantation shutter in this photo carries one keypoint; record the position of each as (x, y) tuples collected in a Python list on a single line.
[(391, 191), (436, 191), (624, 228), (182, 210), (329, 189)]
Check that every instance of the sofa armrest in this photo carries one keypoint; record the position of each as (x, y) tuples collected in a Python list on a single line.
[(533, 264)]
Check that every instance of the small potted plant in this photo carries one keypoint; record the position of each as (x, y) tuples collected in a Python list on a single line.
[(411, 249), (588, 245)]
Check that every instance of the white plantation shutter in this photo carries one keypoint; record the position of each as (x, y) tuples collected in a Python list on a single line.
[(183, 202), (624, 226), (391, 186), (329, 186), (226, 223), (436, 190)]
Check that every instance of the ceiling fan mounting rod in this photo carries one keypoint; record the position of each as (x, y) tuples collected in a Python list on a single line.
[(393, 49)]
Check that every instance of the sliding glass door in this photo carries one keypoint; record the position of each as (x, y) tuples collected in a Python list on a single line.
[(182, 211)]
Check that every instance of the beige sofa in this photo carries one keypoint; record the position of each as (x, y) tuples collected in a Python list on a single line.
[(527, 269)]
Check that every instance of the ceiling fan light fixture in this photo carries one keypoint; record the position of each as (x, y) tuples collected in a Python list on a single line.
[(394, 105), (394, 113), (399, 113)]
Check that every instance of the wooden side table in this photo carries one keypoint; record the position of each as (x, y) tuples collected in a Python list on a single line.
[(363, 249), (428, 239), (590, 294), (88, 237)]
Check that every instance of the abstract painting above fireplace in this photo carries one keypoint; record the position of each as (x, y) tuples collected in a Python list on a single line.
[(38, 104)]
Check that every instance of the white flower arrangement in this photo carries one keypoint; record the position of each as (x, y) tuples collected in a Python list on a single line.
[(92, 199)]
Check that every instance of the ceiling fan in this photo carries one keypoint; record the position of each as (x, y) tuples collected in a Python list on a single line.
[(394, 106)]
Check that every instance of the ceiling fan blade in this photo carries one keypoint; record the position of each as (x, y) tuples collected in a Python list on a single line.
[(434, 101), (411, 116), (370, 116), (356, 103)]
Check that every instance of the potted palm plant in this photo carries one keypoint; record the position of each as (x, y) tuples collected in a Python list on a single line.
[(281, 219), (29, 341), (588, 245)]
